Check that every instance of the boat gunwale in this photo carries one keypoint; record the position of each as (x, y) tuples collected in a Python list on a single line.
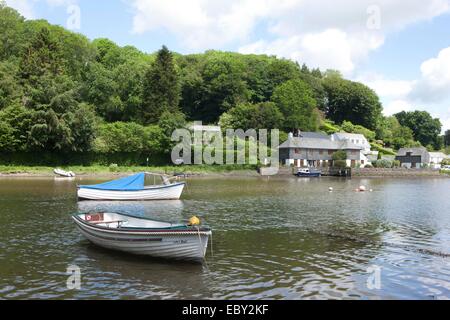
[(181, 229)]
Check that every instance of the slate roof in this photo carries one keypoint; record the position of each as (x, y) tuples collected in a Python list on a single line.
[(316, 135), (438, 155), (318, 143), (346, 135), (417, 151)]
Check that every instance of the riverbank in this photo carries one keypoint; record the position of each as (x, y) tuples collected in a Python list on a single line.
[(204, 170), (397, 172), (201, 170)]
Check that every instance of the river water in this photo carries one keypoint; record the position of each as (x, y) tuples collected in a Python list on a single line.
[(277, 238)]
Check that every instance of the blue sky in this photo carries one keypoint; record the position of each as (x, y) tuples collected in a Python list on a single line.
[(399, 48)]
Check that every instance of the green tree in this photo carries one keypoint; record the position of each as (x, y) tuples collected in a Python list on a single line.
[(347, 126), (425, 129), (10, 89), (20, 120), (295, 100), (222, 86), (447, 138), (11, 26), (42, 56), (352, 101), (161, 88), (264, 115), (339, 159)]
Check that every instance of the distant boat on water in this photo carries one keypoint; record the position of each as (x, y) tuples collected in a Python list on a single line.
[(62, 173), (144, 236), (132, 188), (308, 172)]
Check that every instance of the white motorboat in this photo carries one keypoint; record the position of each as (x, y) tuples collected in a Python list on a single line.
[(144, 236), (132, 188)]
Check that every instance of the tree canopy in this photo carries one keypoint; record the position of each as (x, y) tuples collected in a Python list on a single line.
[(425, 129), (60, 91), (352, 101)]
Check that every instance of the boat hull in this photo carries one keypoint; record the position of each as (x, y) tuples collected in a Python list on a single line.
[(167, 192), (315, 174), (173, 244)]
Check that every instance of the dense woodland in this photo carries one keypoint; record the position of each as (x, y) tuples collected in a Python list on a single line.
[(61, 92)]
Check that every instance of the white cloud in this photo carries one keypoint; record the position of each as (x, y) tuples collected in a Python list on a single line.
[(396, 106), (320, 32), (387, 88), (330, 49), (434, 86), (431, 91), (202, 24), (26, 7)]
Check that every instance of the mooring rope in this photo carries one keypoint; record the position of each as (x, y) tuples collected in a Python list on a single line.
[(201, 246)]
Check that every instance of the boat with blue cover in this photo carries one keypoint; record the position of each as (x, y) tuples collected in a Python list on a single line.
[(132, 188)]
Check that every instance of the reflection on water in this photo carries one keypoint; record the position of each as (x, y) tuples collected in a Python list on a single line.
[(277, 238)]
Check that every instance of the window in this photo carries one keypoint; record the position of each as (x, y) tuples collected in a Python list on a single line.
[(297, 151), (330, 152), (320, 152)]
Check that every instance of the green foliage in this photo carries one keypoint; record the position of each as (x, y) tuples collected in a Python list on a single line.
[(339, 155), (16, 123), (386, 151), (161, 88), (396, 164), (11, 26), (10, 90), (351, 101), (168, 123), (382, 164), (57, 86), (128, 137), (339, 163), (347, 126), (394, 134), (425, 129), (447, 138), (295, 100), (246, 116), (329, 127)]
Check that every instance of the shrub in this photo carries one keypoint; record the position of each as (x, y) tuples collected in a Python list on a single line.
[(396, 164), (113, 167), (340, 163), (382, 164), (340, 155)]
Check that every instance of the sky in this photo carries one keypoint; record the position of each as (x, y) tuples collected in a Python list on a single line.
[(399, 48)]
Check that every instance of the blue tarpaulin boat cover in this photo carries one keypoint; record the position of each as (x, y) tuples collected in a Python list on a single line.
[(131, 183)]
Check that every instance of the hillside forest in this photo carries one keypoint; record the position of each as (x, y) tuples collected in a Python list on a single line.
[(63, 93)]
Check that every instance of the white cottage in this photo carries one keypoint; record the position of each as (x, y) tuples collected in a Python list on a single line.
[(436, 159), (358, 140)]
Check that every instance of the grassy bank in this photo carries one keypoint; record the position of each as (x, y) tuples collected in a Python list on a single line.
[(105, 170)]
